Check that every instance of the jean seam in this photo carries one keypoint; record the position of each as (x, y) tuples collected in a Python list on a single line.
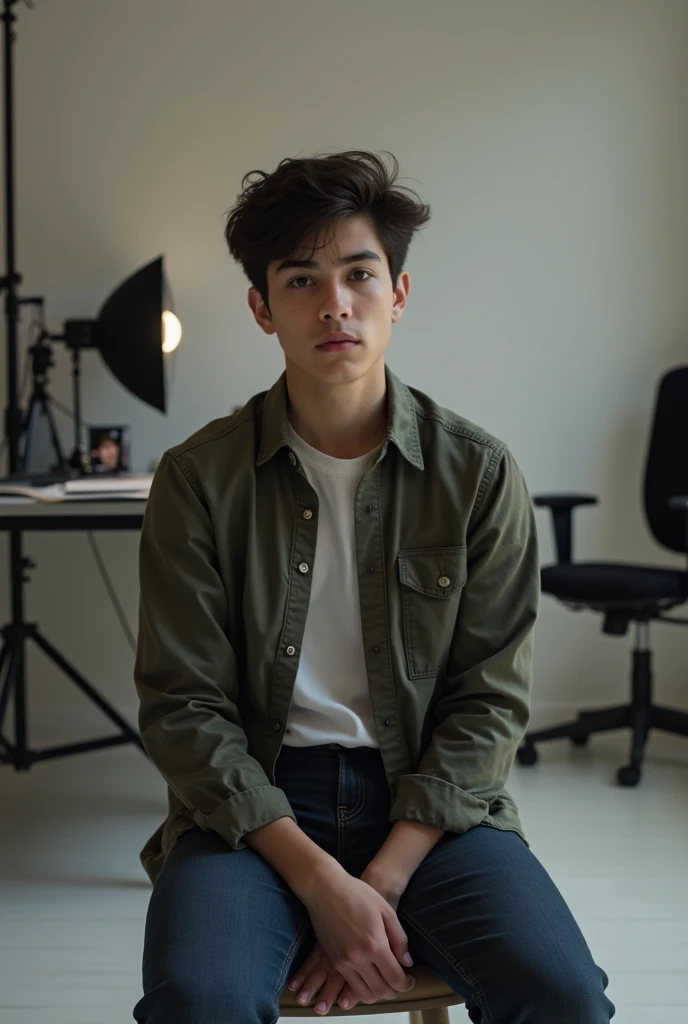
[(300, 935), (360, 802), (465, 973)]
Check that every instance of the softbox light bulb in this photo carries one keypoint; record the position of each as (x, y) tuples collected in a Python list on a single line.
[(171, 331)]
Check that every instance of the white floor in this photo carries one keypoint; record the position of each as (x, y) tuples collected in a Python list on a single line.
[(73, 896)]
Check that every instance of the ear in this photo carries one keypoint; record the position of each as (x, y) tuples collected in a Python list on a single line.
[(401, 293), (260, 311)]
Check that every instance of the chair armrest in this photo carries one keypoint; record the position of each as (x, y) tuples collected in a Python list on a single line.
[(562, 506)]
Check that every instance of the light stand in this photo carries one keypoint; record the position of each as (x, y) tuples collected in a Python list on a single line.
[(18, 630), (13, 415)]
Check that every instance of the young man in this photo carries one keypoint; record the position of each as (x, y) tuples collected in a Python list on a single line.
[(339, 584)]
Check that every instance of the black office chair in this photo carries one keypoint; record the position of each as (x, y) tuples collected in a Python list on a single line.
[(624, 592)]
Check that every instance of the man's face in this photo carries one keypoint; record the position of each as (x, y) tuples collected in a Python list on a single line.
[(333, 293)]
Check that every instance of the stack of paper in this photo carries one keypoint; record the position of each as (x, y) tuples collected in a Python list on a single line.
[(90, 488), (115, 486)]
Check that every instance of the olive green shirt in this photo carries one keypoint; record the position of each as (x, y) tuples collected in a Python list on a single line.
[(447, 558)]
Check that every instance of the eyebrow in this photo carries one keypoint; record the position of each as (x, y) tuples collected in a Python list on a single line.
[(365, 254)]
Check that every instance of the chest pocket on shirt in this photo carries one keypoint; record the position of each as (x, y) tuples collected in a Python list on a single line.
[(431, 583)]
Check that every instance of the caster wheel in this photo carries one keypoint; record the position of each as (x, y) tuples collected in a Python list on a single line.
[(580, 741), (527, 755), (629, 775)]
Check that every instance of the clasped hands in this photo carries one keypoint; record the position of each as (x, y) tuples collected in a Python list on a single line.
[(360, 947)]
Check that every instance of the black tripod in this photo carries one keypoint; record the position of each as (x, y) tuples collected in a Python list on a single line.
[(18, 630), (39, 405), (13, 680)]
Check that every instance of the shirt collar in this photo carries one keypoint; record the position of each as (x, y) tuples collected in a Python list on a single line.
[(402, 423)]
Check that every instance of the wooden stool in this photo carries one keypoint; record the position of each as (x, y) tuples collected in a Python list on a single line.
[(426, 1003)]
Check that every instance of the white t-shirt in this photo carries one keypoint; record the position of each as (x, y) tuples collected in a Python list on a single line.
[(331, 701)]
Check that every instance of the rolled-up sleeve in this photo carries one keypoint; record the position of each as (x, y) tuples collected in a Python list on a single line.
[(186, 669), (484, 708)]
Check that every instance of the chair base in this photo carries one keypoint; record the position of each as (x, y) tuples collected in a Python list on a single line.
[(639, 716)]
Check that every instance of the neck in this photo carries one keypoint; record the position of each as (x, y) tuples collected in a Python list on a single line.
[(341, 420)]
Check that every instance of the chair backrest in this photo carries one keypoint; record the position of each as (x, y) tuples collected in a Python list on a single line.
[(666, 471)]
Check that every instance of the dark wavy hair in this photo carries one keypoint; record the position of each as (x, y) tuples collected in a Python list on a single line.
[(286, 210)]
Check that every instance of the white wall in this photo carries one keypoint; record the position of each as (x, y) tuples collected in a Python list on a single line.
[(548, 292)]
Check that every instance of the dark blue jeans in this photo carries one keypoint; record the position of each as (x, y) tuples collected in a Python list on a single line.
[(224, 933)]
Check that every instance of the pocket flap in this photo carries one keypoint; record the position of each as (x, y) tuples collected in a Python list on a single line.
[(437, 572)]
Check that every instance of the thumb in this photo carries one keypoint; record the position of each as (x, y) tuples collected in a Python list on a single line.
[(398, 940)]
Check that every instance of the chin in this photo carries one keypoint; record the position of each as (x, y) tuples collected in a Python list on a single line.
[(339, 368), (340, 373)]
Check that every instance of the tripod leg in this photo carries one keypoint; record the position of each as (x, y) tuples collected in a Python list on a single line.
[(14, 635), (28, 427), (22, 761), (39, 405), (17, 754), (4, 695), (54, 436), (89, 690)]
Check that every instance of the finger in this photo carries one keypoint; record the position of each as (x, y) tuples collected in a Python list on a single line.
[(376, 982), (389, 966), (333, 986), (312, 985), (310, 963), (389, 978), (348, 998), (398, 940), (358, 985)]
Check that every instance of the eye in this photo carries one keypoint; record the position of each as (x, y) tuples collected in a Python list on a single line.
[(303, 277)]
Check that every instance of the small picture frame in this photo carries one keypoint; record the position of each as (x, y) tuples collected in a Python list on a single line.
[(109, 448)]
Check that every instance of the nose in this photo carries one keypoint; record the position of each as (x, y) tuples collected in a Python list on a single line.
[(335, 304)]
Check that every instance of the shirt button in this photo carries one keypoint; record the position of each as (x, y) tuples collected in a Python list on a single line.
[(444, 581), (291, 650), (371, 568), (388, 721), (307, 514), (292, 458), (277, 726), (303, 567), (376, 649), (371, 508)]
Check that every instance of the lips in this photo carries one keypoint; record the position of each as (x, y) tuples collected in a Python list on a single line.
[(337, 336), (337, 346), (338, 341)]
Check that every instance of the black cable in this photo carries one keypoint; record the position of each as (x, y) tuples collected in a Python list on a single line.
[(111, 591), (66, 411)]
